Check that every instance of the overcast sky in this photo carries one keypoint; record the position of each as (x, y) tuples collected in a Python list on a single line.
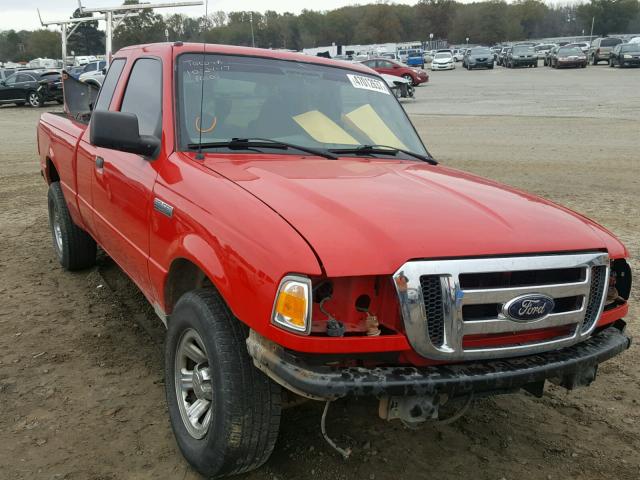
[(21, 14)]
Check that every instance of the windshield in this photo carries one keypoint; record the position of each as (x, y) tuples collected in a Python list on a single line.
[(480, 51), (570, 51), (443, 55), (305, 104)]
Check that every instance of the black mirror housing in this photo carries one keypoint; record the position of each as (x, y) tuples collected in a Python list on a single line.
[(120, 131)]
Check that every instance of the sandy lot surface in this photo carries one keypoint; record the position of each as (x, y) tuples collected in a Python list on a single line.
[(81, 381)]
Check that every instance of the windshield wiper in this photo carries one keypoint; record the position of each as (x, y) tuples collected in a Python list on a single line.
[(257, 142), (384, 150)]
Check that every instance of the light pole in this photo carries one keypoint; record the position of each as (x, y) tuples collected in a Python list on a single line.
[(467, 41), (431, 41), (253, 40)]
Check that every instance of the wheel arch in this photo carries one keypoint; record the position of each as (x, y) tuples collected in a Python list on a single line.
[(184, 275), (194, 264), (51, 171)]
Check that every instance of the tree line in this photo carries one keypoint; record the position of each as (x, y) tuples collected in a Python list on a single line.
[(486, 22)]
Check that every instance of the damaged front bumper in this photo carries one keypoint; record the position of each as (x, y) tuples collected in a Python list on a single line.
[(570, 367)]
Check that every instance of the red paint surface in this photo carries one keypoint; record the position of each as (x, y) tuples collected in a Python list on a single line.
[(246, 220)]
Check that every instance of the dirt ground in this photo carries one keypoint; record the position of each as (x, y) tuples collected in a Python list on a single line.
[(81, 380)]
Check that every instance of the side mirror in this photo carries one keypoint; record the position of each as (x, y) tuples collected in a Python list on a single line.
[(3, 83), (104, 70), (120, 131)]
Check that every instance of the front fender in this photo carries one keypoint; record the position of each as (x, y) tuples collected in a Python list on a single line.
[(243, 247)]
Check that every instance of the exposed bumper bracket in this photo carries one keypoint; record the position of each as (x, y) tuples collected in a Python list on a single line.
[(570, 367)]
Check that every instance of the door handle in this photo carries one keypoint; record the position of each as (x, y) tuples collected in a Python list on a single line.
[(99, 163)]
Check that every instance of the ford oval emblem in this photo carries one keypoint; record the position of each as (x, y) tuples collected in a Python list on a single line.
[(528, 308)]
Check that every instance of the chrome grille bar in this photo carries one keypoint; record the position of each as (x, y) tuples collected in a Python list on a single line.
[(451, 334)]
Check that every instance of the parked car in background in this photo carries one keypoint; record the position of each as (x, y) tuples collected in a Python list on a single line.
[(415, 58), (567, 57), (496, 50), (521, 56), (443, 61), (50, 87), (390, 56), (625, 55), (76, 71), (392, 67), (635, 40), (502, 55), (478, 57), (547, 57), (21, 87), (584, 46), (401, 87), (93, 70), (543, 49), (601, 47), (6, 72)]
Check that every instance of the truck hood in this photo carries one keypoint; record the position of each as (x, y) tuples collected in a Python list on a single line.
[(369, 216)]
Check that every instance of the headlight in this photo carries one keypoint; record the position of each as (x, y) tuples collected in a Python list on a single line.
[(292, 306), (619, 281), (627, 56)]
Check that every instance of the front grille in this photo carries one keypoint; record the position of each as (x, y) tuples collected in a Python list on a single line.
[(432, 299), (598, 284), (520, 278), (459, 309)]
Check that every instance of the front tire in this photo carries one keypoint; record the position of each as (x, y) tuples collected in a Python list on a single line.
[(224, 412), (74, 247)]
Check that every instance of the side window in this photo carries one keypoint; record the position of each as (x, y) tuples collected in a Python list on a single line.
[(143, 95), (11, 80), (109, 84), (23, 77)]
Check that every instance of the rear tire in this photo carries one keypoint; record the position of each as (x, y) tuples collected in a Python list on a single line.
[(34, 100), (244, 407), (74, 247)]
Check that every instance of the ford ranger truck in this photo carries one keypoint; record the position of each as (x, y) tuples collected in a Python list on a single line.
[(291, 230)]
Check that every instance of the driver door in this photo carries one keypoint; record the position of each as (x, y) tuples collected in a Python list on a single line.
[(122, 182)]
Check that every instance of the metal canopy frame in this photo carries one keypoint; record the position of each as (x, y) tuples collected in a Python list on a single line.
[(75, 23), (108, 13)]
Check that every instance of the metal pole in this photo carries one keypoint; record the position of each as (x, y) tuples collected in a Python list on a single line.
[(253, 40), (593, 19), (64, 45), (108, 36)]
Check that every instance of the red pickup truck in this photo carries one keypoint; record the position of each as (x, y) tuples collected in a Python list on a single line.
[(285, 220)]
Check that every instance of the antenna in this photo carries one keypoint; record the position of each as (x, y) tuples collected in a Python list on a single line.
[(199, 155)]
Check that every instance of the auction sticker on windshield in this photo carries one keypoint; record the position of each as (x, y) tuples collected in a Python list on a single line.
[(368, 83)]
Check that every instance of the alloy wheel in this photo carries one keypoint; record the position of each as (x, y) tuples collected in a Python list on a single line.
[(193, 384), (34, 99)]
